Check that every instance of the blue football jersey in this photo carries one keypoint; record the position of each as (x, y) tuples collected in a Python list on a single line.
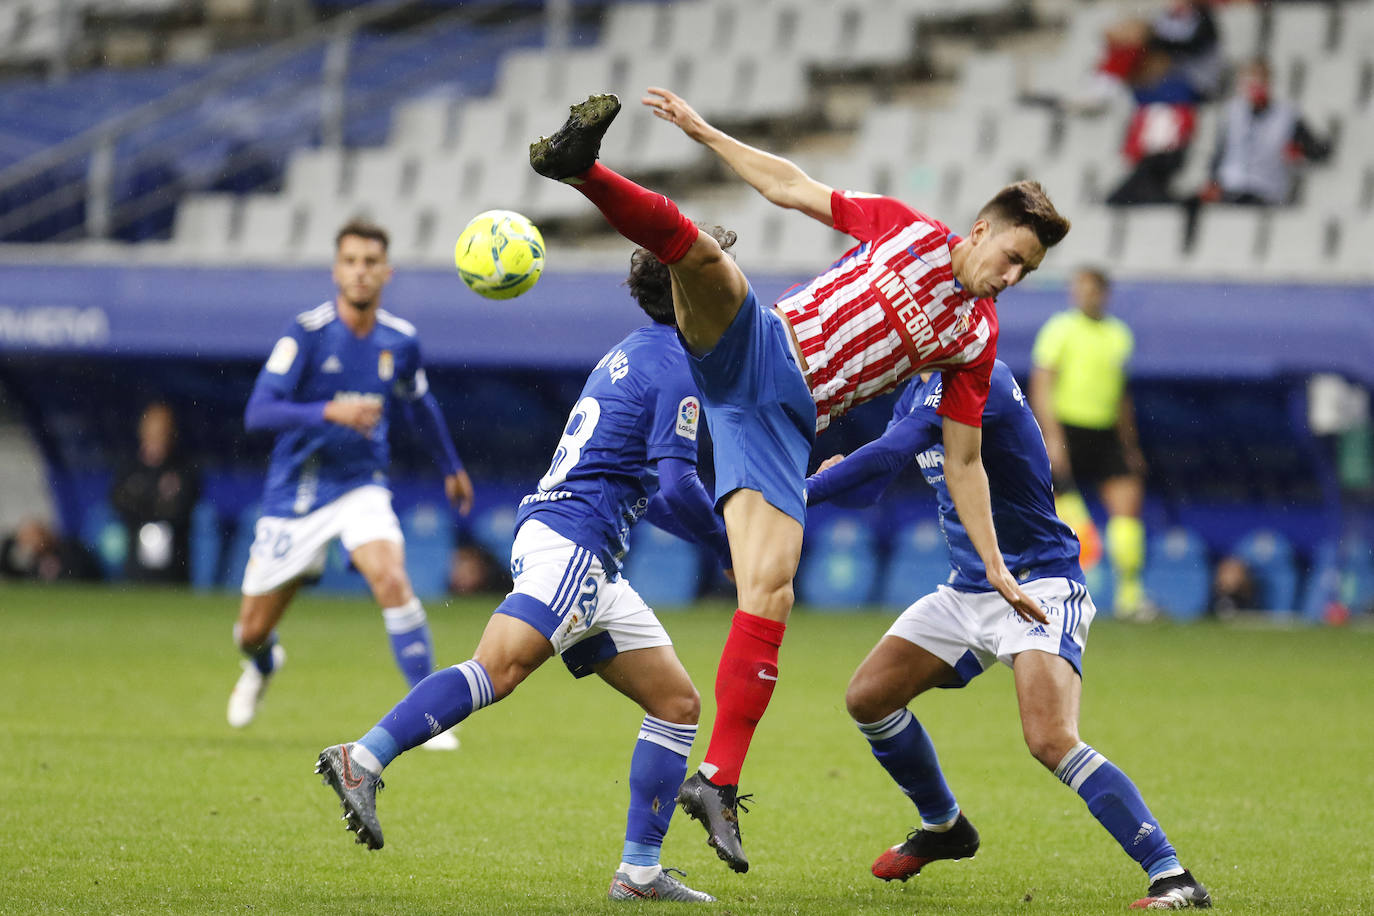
[(319, 359), (1033, 540), (639, 405)]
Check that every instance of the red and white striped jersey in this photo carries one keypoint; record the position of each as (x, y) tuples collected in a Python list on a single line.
[(891, 308)]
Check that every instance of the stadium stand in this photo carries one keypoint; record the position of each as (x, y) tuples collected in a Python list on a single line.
[(232, 170)]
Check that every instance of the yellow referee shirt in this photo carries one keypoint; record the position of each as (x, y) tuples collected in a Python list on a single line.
[(1088, 357)]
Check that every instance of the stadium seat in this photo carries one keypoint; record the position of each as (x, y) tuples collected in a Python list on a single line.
[(919, 562), (839, 564), (1300, 31), (206, 546), (1152, 239), (105, 536), (632, 28), (1227, 242), (1238, 26), (270, 229), (1300, 241), (428, 530), (1178, 576), (1092, 240), (1274, 567), (315, 174), (204, 224), (382, 175), (422, 125), (1356, 242), (493, 528), (664, 569)]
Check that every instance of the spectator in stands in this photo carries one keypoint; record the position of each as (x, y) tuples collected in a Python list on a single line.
[(1233, 587), (1187, 32), (153, 494), (1159, 132), (1261, 138), (35, 550), (1078, 392)]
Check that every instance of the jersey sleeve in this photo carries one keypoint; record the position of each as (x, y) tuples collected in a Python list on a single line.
[(281, 374), (1048, 348), (867, 216), (966, 392), (676, 416), (411, 383)]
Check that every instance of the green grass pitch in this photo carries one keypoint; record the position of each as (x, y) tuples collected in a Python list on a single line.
[(126, 792)]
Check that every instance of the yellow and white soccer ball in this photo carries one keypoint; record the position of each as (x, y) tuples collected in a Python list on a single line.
[(500, 254)]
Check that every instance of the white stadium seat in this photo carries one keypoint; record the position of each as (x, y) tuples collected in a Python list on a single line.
[(315, 173), (423, 124), (270, 228), (1227, 241), (1091, 242), (1299, 246), (1151, 240), (1238, 25), (381, 174), (1356, 242), (1300, 31), (204, 224)]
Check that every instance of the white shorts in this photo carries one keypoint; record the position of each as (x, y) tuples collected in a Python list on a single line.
[(970, 631), (562, 591), (289, 548)]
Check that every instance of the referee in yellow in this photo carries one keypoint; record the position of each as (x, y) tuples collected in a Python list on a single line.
[(1078, 392)]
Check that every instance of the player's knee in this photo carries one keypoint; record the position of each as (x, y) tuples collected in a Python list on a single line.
[(864, 700), (682, 708), (772, 600), (391, 587), (1049, 744)]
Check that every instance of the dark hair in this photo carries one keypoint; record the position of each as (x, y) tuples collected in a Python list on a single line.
[(1025, 203), (363, 229), (1098, 275), (652, 286)]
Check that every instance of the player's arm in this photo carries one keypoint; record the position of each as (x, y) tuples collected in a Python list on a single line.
[(968, 487), (682, 507), (779, 180), (861, 478), (432, 430)]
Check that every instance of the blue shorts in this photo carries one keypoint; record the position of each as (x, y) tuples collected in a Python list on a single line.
[(759, 410)]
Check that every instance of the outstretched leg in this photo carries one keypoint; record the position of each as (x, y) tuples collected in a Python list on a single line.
[(509, 651), (1048, 691), (708, 286)]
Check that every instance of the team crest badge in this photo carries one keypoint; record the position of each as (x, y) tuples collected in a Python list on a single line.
[(386, 366)]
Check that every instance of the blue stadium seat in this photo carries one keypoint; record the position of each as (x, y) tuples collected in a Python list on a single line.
[(493, 528), (1178, 576), (105, 536), (918, 563), (428, 529), (207, 545), (1269, 554), (840, 564), (664, 569)]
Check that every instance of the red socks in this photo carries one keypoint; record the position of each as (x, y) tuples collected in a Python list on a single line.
[(745, 680), (648, 219)]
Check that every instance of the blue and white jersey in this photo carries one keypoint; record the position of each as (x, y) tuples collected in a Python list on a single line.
[(1033, 540), (319, 359), (638, 406)]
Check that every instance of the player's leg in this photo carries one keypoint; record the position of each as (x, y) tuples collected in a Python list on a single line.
[(1048, 690), (255, 634), (508, 652), (894, 673), (1123, 496), (655, 679), (382, 564), (713, 285)]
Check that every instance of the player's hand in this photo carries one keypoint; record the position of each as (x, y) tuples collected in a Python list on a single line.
[(1026, 607), (458, 489), (669, 106), (361, 416), (829, 463)]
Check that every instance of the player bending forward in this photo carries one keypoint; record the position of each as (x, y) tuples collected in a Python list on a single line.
[(327, 390), (636, 419), (949, 637), (911, 296)]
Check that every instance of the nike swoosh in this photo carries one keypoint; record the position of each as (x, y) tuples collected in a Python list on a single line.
[(765, 676), (350, 781)]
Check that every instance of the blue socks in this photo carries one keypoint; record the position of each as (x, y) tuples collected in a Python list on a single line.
[(434, 705), (408, 629), (1115, 801), (657, 768), (904, 749)]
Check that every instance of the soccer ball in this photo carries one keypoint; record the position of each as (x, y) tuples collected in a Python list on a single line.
[(500, 254)]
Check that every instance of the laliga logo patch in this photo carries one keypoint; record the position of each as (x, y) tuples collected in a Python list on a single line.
[(386, 366), (688, 416)]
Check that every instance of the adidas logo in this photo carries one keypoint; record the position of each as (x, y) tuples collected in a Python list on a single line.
[(1146, 828), (1038, 630), (332, 364), (433, 723)]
